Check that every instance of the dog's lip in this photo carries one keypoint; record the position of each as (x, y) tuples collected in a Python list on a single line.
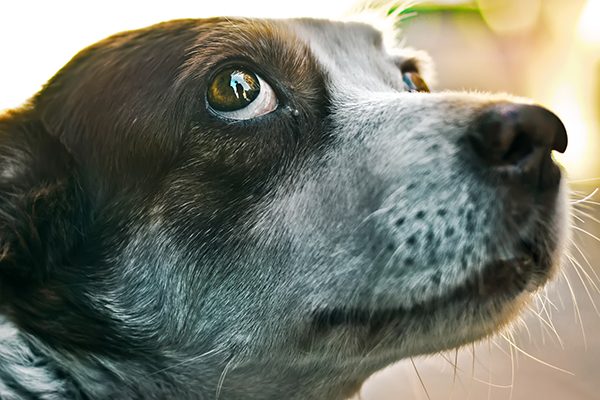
[(504, 276), (498, 280)]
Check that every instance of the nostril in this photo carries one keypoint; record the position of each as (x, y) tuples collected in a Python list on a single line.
[(520, 149), (519, 139), (510, 133)]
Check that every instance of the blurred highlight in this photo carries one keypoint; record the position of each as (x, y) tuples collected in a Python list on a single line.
[(574, 99), (589, 24), (510, 16)]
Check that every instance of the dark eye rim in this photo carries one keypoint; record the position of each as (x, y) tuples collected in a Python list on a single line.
[(409, 67), (264, 74)]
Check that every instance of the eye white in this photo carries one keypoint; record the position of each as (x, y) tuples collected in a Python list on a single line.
[(264, 103)]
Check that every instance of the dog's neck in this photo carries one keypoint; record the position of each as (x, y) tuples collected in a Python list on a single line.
[(25, 372), (29, 369)]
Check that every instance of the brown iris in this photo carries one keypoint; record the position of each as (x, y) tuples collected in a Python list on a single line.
[(414, 82), (233, 89)]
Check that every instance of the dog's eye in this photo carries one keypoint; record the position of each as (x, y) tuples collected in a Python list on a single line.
[(238, 93), (414, 83)]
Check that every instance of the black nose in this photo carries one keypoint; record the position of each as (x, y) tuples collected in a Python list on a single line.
[(517, 140)]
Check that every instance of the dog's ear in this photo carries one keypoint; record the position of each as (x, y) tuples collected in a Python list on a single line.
[(41, 203)]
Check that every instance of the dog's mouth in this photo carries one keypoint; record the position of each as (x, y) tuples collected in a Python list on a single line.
[(498, 281)]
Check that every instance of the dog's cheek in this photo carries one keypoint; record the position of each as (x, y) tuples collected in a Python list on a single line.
[(243, 159)]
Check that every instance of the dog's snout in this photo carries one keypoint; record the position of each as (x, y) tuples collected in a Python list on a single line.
[(519, 139)]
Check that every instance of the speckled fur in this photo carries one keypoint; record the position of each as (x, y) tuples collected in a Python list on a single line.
[(193, 259)]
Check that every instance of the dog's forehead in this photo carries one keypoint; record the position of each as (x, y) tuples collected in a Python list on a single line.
[(348, 52), (336, 35)]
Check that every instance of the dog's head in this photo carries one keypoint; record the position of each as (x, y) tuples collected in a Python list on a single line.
[(266, 209)]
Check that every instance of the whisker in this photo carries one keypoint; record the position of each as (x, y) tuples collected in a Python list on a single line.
[(586, 214), (540, 305), (547, 324), (188, 361), (512, 372), (222, 378), (526, 354), (578, 218), (586, 198), (420, 379), (489, 389), (521, 322), (589, 202), (588, 263), (583, 180), (547, 299), (511, 335), (501, 349), (368, 353), (492, 384), (472, 370), (586, 207), (455, 365), (550, 324), (577, 267), (371, 215), (455, 369), (575, 307)]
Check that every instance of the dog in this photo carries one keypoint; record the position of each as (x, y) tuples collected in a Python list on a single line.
[(236, 208)]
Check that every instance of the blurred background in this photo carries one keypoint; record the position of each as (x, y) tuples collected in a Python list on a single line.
[(548, 50)]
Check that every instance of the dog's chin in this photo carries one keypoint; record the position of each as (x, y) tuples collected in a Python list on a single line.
[(500, 281), (486, 301)]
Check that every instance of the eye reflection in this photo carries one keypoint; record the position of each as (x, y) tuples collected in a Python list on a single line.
[(233, 89), (239, 84)]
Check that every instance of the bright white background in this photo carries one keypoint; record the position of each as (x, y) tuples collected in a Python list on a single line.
[(39, 37)]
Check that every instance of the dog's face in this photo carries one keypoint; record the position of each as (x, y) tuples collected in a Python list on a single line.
[(266, 209)]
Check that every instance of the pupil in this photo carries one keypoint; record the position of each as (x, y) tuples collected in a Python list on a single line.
[(239, 84), (233, 89)]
